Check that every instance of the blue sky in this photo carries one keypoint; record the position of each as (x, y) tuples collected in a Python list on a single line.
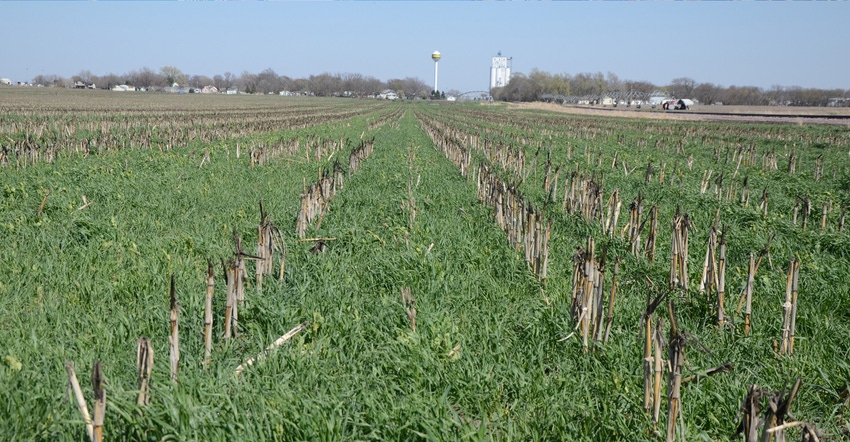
[(742, 43)]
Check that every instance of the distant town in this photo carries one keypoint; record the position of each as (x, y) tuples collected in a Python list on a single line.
[(504, 85)]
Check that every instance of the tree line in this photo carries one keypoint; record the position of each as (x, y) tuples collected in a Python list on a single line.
[(521, 87), (265, 82), (531, 87)]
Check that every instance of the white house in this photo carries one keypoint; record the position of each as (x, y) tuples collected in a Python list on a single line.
[(6, 81), (388, 95)]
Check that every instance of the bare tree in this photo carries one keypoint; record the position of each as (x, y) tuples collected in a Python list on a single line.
[(517, 89), (588, 84), (744, 95), (707, 93), (300, 85), (639, 86), (144, 78), (247, 82), (172, 75), (325, 85), (109, 80), (613, 83), (537, 85), (396, 84), (373, 85), (352, 84), (560, 84), (199, 81), (285, 83), (223, 82), (47, 80), (85, 76), (682, 87), (268, 81), (415, 87)]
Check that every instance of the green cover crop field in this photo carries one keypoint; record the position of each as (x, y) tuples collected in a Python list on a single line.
[(270, 268)]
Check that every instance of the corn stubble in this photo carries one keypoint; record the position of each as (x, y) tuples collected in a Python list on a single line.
[(351, 353)]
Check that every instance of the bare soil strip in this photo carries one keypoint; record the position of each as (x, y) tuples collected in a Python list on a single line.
[(749, 114)]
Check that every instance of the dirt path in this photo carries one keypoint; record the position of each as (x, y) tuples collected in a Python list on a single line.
[(783, 115)]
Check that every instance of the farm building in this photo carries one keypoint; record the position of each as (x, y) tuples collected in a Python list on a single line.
[(209, 90), (123, 88), (6, 81)]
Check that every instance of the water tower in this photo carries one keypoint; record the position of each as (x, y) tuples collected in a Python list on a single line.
[(436, 57)]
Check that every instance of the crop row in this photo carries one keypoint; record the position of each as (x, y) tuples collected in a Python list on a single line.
[(482, 137), (462, 283), (27, 137)]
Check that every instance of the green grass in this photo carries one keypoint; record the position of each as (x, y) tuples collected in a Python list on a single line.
[(823, 278), (486, 360)]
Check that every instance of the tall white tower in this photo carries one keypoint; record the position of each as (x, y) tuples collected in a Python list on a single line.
[(436, 57), (500, 71)]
